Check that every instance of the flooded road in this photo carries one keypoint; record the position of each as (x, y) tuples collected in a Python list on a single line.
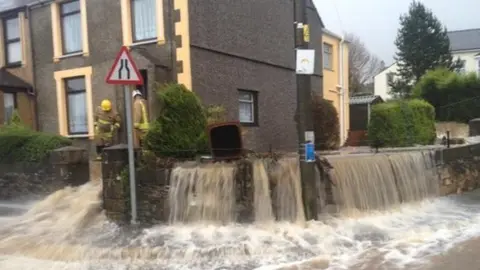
[(68, 231)]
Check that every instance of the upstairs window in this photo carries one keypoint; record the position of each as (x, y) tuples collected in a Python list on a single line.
[(76, 96), (71, 24), (13, 46), (327, 56), (389, 78), (144, 20)]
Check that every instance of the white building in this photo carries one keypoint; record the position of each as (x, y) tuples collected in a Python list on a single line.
[(464, 44)]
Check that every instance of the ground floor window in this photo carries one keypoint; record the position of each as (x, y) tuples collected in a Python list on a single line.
[(9, 106), (247, 107), (76, 99)]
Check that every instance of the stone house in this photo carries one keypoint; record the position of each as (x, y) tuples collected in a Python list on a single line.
[(239, 54), (16, 72)]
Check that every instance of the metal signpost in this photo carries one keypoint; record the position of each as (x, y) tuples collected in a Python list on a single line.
[(125, 72)]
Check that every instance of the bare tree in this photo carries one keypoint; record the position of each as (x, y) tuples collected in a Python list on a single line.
[(363, 66)]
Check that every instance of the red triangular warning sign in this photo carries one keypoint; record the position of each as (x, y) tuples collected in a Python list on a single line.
[(124, 71)]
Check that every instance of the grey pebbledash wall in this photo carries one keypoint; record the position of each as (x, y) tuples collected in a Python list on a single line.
[(235, 45)]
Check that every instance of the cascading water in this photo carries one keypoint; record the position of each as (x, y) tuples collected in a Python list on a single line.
[(68, 230), (380, 181), (262, 203), (288, 192), (202, 193)]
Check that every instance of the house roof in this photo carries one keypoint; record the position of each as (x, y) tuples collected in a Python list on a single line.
[(311, 5), (8, 80), (330, 33), (6, 5), (463, 40), (369, 99)]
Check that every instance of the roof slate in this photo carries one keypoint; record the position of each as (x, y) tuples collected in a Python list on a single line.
[(462, 40)]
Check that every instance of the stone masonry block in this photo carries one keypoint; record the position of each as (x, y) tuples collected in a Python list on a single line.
[(69, 155)]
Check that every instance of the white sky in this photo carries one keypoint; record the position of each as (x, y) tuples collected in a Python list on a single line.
[(376, 21)]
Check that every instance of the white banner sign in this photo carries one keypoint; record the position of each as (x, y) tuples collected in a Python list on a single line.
[(305, 61)]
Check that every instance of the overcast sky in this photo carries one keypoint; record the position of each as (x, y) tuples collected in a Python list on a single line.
[(376, 21)]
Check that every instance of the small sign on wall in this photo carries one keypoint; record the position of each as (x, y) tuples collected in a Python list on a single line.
[(305, 61)]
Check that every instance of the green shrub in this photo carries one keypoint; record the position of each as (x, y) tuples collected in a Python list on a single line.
[(20, 144), (454, 96), (180, 131), (326, 124), (402, 123), (215, 114)]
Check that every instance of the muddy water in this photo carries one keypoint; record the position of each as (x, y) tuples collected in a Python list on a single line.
[(67, 230)]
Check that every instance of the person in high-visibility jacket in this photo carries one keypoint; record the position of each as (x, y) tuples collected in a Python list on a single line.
[(140, 118), (107, 123)]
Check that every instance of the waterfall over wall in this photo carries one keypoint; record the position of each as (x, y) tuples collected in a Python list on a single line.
[(380, 181), (207, 192), (203, 193)]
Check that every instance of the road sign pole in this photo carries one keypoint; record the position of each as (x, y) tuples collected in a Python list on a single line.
[(124, 72), (131, 157)]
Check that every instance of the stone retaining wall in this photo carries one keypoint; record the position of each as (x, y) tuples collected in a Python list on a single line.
[(65, 166), (458, 171)]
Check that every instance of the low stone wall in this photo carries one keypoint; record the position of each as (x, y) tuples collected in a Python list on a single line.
[(152, 189), (458, 169), (65, 166)]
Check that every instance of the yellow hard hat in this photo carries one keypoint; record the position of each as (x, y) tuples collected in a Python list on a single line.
[(106, 105)]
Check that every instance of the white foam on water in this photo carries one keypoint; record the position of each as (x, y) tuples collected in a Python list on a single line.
[(55, 235)]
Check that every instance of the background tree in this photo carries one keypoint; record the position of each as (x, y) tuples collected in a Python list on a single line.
[(422, 44), (363, 66)]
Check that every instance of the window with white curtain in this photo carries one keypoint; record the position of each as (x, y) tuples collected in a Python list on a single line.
[(247, 107), (9, 106), (71, 27), (144, 20), (76, 96), (13, 45)]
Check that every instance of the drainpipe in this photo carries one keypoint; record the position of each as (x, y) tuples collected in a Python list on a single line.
[(29, 7), (342, 93)]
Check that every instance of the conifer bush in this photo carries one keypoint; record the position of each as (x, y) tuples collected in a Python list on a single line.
[(180, 130)]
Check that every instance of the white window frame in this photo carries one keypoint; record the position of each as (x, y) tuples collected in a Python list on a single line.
[(252, 102), (328, 50)]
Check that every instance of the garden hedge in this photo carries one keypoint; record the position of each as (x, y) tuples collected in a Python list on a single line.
[(402, 123), (21, 144), (454, 96), (326, 124)]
